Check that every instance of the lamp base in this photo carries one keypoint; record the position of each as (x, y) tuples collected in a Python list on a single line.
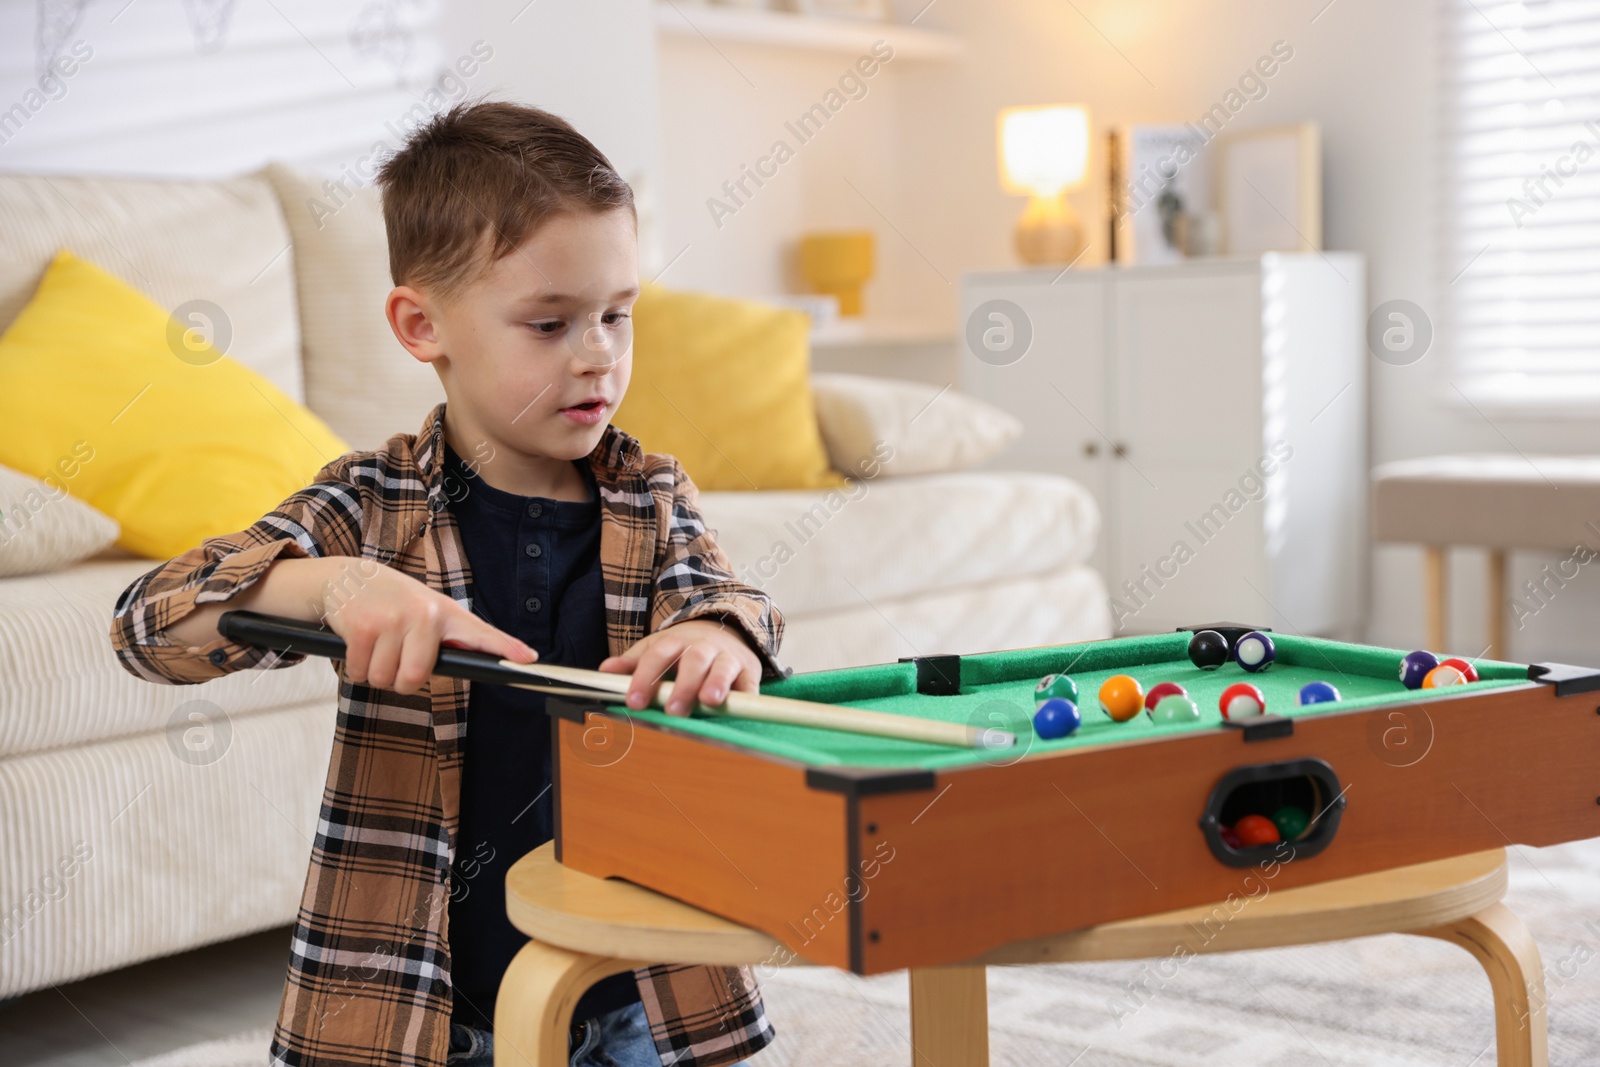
[(1048, 231)]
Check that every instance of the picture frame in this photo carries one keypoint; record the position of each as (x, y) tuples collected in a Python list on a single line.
[(1269, 190), (1161, 187)]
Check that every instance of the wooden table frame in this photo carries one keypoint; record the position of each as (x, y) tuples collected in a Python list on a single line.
[(586, 928)]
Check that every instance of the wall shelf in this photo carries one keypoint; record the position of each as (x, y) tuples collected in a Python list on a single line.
[(682, 18)]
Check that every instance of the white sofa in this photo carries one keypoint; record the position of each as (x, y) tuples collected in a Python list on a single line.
[(122, 839)]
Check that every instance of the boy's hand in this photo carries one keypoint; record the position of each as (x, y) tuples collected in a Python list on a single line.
[(711, 660), (393, 625)]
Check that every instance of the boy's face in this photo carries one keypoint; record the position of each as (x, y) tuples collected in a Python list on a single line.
[(535, 353)]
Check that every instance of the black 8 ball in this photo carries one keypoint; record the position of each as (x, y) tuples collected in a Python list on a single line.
[(1208, 650)]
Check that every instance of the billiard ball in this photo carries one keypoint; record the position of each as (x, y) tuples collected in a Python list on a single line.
[(1121, 697), (1208, 650), (1256, 830), (1291, 821), (1254, 651), (1056, 718), (1055, 685), (1241, 700), (1231, 839), (1175, 707), (1443, 675), (1317, 693), (1161, 690), (1468, 671), (1415, 667)]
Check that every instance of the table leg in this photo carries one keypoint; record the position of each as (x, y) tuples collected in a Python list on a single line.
[(949, 1017), (533, 1011), (1500, 941), (1497, 603), (1434, 595)]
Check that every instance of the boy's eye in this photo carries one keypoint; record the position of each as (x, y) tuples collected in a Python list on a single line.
[(547, 327), (613, 318)]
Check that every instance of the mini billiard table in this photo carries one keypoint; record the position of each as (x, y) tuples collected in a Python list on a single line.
[(874, 854)]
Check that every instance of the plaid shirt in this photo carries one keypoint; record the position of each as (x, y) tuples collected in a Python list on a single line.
[(369, 971)]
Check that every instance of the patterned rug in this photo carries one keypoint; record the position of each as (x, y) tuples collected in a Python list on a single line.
[(1368, 1003)]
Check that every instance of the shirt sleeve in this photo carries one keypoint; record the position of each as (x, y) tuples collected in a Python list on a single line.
[(323, 519), (694, 580)]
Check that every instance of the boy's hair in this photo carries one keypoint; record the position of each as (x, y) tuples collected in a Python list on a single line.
[(474, 182)]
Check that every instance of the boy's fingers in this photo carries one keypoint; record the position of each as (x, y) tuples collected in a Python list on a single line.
[(719, 680), (472, 632), (417, 657), (654, 662), (385, 658), (693, 667), (617, 665)]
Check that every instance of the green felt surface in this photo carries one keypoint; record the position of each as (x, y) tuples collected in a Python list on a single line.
[(997, 690)]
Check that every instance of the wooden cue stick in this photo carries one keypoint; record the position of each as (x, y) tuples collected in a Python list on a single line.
[(290, 635)]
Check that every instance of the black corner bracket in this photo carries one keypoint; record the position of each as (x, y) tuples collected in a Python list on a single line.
[(1262, 727), (1568, 680), (1230, 630), (937, 676)]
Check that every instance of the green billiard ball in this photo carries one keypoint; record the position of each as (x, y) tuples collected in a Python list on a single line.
[(1175, 708), (1055, 685), (1291, 821)]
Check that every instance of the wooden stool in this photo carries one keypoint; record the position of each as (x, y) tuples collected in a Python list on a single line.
[(586, 928), (1500, 502)]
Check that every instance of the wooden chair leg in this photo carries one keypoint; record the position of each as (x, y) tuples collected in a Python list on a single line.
[(533, 1011), (1500, 941), (1498, 598), (949, 1017), (1435, 580)]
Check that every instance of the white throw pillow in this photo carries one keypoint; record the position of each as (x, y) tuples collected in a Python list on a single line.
[(906, 427), (358, 378), (45, 528)]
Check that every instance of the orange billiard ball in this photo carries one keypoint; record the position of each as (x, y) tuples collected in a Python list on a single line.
[(1121, 697), (1443, 675), (1255, 830)]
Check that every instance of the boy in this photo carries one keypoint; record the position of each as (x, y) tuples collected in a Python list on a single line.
[(518, 522)]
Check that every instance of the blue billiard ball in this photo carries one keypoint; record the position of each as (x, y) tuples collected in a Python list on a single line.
[(1415, 667), (1254, 651), (1056, 718), (1317, 693)]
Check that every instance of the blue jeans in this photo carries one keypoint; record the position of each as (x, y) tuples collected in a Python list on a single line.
[(617, 1039)]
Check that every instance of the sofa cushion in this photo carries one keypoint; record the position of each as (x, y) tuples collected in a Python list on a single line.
[(906, 427), (177, 442), (895, 537), (60, 683), (43, 527), (358, 377), (220, 243)]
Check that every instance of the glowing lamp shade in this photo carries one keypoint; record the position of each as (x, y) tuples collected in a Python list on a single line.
[(1044, 151)]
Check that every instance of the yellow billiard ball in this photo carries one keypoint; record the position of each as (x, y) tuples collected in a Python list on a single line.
[(1121, 697)]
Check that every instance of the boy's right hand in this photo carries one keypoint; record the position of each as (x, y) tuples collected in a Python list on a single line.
[(393, 625)]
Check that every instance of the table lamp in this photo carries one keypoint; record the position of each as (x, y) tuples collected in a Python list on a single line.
[(1044, 151)]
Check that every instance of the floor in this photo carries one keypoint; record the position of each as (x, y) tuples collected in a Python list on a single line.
[(143, 1011)]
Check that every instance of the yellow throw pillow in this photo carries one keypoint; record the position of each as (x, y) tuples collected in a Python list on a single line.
[(725, 385), (95, 395)]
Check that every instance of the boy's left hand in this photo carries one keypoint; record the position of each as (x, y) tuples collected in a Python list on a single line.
[(711, 659)]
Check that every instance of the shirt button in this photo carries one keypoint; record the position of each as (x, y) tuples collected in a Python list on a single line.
[(533, 603), (218, 657), (534, 551), (535, 509)]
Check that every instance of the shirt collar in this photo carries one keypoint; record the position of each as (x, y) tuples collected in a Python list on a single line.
[(618, 452)]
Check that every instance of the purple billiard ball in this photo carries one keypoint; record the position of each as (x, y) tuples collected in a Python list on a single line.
[(1056, 718), (1415, 667), (1254, 651)]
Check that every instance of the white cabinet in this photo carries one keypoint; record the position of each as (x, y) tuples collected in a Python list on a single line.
[(1217, 411)]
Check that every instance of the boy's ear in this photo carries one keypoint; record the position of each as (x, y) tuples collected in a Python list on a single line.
[(411, 318)]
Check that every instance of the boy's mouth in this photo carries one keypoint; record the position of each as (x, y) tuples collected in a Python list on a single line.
[(586, 413)]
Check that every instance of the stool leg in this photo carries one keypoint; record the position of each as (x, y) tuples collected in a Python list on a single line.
[(1497, 603), (1500, 941), (533, 1011), (1434, 580), (949, 1017)]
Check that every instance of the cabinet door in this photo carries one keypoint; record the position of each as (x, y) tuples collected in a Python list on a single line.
[(1057, 388), (1186, 495)]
